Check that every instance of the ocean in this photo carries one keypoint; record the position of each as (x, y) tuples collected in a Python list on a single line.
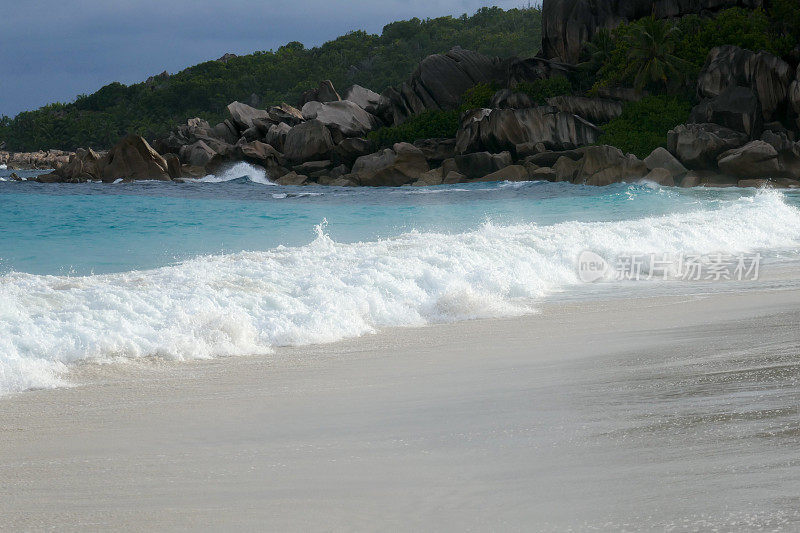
[(234, 265)]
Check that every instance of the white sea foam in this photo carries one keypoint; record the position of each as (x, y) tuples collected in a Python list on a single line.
[(238, 171), (3, 167), (249, 302)]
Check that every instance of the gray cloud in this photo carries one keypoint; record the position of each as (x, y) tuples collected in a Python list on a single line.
[(53, 50)]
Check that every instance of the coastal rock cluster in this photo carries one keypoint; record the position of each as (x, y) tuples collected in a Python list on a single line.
[(742, 131)]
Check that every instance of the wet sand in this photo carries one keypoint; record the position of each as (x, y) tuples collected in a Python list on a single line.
[(673, 412)]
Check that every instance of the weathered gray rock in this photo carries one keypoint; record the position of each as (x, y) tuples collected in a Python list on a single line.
[(242, 115), (133, 159), (565, 168), (432, 177), (479, 164), (344, 116), (660, 158), (794, 95), (707, 178), (544, 174), (697, 146), (276, 135), (400, 165), (309, 141), (756, 159), (367, 100), (504, 129), (292, 178), (349, 150), (535, 68), (595, 110), (568, 24), (285, 113), (453, 177), (198, 154), (225, 132), (509, 173), (324, 93), (662, 176), (507, 99), (262, 154), (735, 107), (437, 150), (439, 82), (767, 75), (83, 165), (604, 165)]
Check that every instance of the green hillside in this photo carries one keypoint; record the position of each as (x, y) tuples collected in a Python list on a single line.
[(375, 61)]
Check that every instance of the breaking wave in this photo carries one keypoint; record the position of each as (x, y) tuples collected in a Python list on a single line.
[(250, 302)]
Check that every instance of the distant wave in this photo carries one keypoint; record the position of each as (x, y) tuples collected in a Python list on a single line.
[(240, 172), (3, 167), (250, 302)]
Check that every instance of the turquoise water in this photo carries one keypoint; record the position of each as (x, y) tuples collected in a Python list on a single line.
[(234, 265), (99, 228)]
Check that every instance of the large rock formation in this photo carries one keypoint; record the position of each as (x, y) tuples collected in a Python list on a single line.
[(344, 116), (130, 159), (756, 159), (309, 141), (367, 100), (697, 146), (400, 165), (568, 24), (767, 75), (595, 110), (439, 83), (506, 129), (243, 115), (735, 107), (133, 159)]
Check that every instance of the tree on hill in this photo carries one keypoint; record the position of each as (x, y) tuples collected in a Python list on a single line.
[(154, 107)]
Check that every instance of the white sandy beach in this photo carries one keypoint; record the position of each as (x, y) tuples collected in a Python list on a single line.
[(631, 414)]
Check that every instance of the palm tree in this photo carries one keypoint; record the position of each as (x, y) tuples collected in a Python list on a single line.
[(651, 59), (597, 51)]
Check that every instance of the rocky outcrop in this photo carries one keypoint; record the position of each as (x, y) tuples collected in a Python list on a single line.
[(439, 82), (595, 110), (794, 96), (735, 107), (199, 154), (661, 160), (534, 68), (34, 160), (243, 115), (309, 141), (262, 154), (697, 146), (479, 164), (767, 75), (402, 164), (276, 135), (756, 159), (130, 159), (344, 116), (133, 159), (604, 165), (285, 113), (367, 100), (568, 24), (505, 129), (437, 150), (349, 150)]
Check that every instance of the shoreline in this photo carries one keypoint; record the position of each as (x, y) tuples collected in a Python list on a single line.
[(481, 424)]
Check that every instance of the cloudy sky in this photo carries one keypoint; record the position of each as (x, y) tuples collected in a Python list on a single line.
[(53, 50)]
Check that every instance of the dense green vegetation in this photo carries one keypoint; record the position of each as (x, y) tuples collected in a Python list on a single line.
[(540, 90), (671, 52), (434, 124), (643, 125), (374, 61)]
